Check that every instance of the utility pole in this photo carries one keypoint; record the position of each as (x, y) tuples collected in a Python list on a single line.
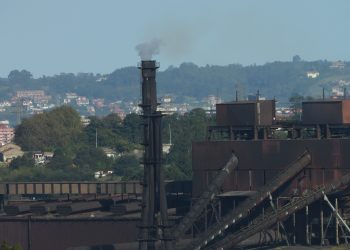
[(18, 110), (170, 135), (96, 137)]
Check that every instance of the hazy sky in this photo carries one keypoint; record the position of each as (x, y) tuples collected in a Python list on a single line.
[(47, 37)]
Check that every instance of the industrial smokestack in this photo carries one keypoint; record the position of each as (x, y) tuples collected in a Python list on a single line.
[(149, 87), (153, 227)]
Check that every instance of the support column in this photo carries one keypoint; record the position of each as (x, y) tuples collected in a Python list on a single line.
[(220, 209), (232, 135), (307, 225), (29, 232), (294, 228), (328, 132), (278, 224), (265, 133), (337, 218), (318, 132), (336, 223), (206, 219), (321, 221), (256, 132), (250, 179)]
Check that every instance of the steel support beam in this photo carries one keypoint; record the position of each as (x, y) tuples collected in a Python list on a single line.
[(338, 217)]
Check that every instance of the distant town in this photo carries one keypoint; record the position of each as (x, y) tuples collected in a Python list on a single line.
[(24, 103), (321, 79)]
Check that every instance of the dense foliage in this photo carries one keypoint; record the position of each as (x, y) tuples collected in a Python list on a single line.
[(78, 151), (76, 156), (185, 129), (59, 128), (5, 246)]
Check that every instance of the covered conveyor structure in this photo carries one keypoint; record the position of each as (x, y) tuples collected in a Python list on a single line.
[(265, 221), (250, 203), (206, 197)]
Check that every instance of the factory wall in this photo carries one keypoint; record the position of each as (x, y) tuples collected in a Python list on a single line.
[(261, 160), (59, 234)]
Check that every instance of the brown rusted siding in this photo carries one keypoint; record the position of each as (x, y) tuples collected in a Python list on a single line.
[(346, 111), (14, 233), (61, 234), (326, 112), (260, 160), (250, 113)]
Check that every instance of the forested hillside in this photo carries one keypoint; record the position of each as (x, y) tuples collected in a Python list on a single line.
[(277, 79)]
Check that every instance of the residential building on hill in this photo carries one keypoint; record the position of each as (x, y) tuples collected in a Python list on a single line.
[(42, 157), (312, 74), (36, 96), (29, 93), (9, 152), (337, 65), (82, 101), (6, 133)]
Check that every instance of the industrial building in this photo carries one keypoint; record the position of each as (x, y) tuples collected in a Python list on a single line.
[(257, 182), (273, 195)]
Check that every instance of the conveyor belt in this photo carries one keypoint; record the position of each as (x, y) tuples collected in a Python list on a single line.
[(243, 210), (205, 198), (264, 222)]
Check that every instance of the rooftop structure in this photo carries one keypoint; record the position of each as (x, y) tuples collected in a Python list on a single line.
[(245, 113), (326, 112)]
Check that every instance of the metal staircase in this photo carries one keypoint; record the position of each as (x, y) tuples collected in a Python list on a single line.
[(267, 220), (243, 210)]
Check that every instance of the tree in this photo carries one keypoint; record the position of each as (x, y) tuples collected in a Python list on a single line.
[(59, 128), (60, 160), (20, 77), (25, 161), (192, 126), (111, 132), (296, 101), (112, 121), (132, 129), (6, 246), (296, 59), (128, 167), (91, 158), (173, 172)]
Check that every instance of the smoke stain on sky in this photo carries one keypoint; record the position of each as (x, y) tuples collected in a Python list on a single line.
[(176, 39)]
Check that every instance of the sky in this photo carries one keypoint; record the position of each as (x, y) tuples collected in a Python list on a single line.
[(47, 37)]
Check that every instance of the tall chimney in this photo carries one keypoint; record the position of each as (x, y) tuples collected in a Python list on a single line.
[(154, 207), (149, 88)]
